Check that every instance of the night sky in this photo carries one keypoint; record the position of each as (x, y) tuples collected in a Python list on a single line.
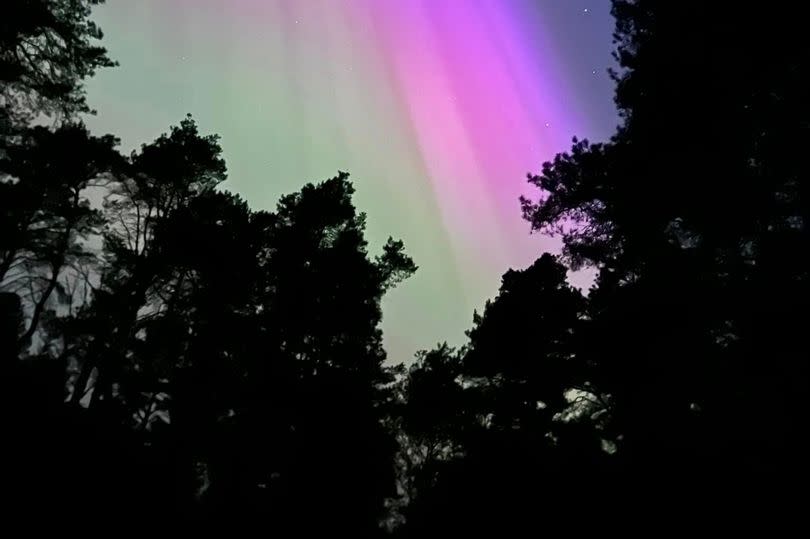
[(437, 108)]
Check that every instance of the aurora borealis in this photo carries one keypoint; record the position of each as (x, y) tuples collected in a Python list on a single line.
[(437, 108)]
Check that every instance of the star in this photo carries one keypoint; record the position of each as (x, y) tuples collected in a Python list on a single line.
[(586, 11)]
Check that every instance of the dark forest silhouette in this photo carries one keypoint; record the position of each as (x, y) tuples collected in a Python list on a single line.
[(170, 355)]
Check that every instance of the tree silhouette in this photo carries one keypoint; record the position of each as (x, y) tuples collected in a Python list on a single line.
[(159, 181), (306, 433), (508, 426), (215, 355), (46, 213), (694, 214), (46, 51)]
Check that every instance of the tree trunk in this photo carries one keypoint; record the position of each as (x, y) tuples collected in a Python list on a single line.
[(40, 306), (80, 386), (56, 267)]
